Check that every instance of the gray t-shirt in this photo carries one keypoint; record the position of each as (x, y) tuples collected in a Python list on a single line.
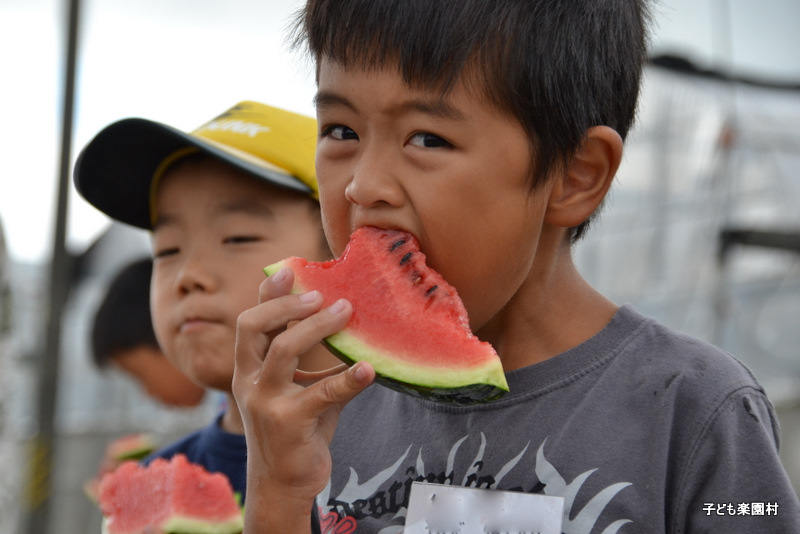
[(640, 429)]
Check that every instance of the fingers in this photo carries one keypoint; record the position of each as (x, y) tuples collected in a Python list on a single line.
[(277, 285), (307, 378), (267, 352), (265, 348), (341, 388), (258, 327), (282, 356)]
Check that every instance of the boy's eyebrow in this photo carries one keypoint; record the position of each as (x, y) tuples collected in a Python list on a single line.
[(436, 107), (249, 207)]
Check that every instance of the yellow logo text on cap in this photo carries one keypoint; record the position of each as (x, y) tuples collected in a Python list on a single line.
[(271, 137)]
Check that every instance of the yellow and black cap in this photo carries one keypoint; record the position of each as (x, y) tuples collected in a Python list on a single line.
[(118, 171)]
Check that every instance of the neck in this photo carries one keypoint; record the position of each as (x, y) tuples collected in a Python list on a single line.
[(553, 311)]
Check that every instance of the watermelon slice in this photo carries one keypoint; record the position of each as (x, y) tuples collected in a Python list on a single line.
[(128, 447), (168, 496), (407, 321)]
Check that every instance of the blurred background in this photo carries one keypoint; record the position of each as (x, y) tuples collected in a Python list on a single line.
[(702, 230)]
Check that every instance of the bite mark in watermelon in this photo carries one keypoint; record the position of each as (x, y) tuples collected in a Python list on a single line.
[(168, 496), (407, 321)]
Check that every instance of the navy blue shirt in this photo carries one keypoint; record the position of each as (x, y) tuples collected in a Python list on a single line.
[(213, 448)]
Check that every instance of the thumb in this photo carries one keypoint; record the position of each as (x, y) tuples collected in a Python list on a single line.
[(342, 388), (360, 375)]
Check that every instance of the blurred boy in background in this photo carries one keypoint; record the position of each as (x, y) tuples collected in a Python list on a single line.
[(221, 202)]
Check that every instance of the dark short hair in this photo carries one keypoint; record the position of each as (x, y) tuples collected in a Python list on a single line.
[(559, 67), (123, 320)]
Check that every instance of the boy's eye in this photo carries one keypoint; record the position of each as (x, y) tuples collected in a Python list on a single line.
[(236, 239), (163, 253), (337, 131), (428, 140)]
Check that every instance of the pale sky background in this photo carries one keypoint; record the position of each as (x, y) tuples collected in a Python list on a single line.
[(184, 61)]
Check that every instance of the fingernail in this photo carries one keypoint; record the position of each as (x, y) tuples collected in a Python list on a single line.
[(358, 372), (311, 296), (337, 307), (281, 275)]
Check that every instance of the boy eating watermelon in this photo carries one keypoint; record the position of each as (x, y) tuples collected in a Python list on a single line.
[(221, 201), (492, 131)]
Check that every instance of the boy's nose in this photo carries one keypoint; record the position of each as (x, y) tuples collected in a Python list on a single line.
[(374, 181), (195, 275)]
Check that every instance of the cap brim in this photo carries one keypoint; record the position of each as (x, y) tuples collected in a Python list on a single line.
[(114, 171)]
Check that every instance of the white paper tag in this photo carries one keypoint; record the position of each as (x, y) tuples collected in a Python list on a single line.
[(438, 509)]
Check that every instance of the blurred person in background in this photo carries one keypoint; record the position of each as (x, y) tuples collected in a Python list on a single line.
[(221, 202), (123, 337)]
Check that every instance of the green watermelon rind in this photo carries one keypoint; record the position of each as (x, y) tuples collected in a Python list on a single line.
[(135, 454), (475, 386), (144, 444), (187, 525), (471, 393)]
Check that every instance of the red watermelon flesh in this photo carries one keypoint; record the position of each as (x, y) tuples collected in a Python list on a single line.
[(128, 447), (168, 496), (407, 321)]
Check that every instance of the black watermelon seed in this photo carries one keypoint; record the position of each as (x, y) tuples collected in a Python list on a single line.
[(430, 290), (405, 258), (397, 244)]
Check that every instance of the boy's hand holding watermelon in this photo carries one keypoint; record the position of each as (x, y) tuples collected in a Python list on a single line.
[(293, 449), (432, 353)]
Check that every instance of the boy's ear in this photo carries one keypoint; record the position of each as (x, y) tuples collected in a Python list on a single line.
[(577, 192)]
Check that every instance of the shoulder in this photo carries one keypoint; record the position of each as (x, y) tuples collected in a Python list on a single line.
[(657, 351), (678, 377), (721, 427), (703, 388)]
